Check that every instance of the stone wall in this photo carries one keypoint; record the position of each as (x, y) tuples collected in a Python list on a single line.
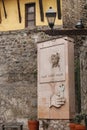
[(83, 75), (18, 75), (18, 68), (72, 11), (69, 13)]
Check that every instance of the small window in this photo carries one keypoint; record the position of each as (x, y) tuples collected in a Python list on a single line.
[(30, 15)]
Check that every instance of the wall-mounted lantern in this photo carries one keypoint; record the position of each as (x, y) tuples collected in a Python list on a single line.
[(51, 16), (79, 24)]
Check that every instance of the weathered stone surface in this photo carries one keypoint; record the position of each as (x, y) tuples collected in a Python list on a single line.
[(56, 92), (18, 75), (83, 64), (18, 71), (54, 124), (72, 11)]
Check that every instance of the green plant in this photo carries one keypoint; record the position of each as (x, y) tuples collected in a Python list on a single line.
[(79, 118)]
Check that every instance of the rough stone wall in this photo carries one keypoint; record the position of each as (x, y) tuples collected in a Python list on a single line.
[(72, 11), (18, 78), (83, 75), (84, 12), (18, 75), (69, 13), (54, 124), (81, 57)]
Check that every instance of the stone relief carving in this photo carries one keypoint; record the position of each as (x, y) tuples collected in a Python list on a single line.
[(55, 60), (58, 99)]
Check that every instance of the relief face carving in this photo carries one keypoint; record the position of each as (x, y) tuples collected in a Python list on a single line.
[(52, 63), (55, 60), (58, 99)]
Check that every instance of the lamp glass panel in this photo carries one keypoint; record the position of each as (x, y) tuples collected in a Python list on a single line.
[(51, 20)]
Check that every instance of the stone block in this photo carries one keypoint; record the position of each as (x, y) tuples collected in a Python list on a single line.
[(56, 92)]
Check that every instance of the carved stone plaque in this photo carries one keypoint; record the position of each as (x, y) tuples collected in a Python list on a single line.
[(56, 93), (52, 63)]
